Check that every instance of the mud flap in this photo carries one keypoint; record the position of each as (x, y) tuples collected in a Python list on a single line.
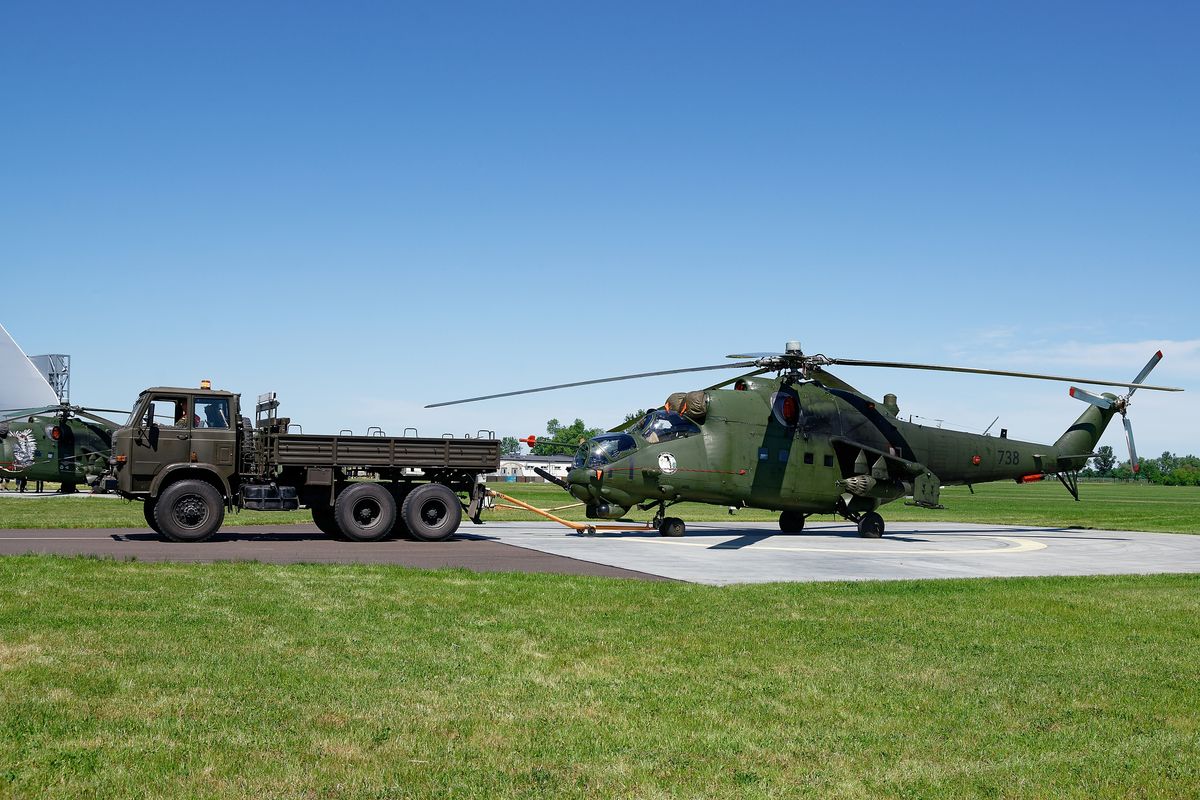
[(478, 503)]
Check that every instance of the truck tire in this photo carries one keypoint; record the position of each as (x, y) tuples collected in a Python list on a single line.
[(324, 519), (431, 512), (365, 512), (148, 513), (189, 511)]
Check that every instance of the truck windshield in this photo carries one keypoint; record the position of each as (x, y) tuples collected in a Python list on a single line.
[(134, 417), (663, 426), (604, 449)]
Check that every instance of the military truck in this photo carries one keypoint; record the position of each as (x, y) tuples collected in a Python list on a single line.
[(189, 456)]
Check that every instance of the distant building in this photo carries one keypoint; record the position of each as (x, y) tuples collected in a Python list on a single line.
[(519, 469)]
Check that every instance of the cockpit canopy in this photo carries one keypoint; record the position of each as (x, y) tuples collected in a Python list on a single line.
[(663, 426), (604, 449)]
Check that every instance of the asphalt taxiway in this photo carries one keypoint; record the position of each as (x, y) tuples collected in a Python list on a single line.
[(711, 553)]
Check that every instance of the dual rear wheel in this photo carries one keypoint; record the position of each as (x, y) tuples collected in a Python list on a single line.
[(369, 512)]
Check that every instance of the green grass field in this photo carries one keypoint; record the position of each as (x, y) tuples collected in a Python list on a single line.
[(1114, 506), (123, 679)]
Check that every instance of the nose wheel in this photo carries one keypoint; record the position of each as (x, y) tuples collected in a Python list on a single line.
[(672, 526)]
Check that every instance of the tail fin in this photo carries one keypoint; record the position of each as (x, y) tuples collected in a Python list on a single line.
[(1082, 437)]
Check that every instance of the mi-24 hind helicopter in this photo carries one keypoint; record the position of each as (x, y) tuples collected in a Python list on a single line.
[(805, 442)]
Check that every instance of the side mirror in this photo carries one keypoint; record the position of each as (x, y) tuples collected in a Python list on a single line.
[(150, 416)]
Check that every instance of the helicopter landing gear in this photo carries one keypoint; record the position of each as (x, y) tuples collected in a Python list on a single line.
[(792, 521), (667, 526), (672, 526), (870, 525)]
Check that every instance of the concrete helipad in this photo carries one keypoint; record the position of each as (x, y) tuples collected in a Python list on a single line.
[(713, 553), (719, 553)]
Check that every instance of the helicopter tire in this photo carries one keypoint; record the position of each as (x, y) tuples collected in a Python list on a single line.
[(870, 525), (324, 519), (365, 512), (189, 511), (791, 521), (672, 526), (431, 513), (148, 513)]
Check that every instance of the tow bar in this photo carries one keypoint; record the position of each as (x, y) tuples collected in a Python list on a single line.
[(585, 528)]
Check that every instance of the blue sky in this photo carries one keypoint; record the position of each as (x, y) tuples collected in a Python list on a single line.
[(369, 207)]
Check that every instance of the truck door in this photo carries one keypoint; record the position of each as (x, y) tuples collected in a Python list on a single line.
[(213, 432), (164, 438)]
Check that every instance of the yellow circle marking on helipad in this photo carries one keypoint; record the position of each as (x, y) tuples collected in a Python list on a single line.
[(1015, 545)]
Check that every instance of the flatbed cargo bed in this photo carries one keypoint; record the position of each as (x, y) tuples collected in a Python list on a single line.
[(379, 452)]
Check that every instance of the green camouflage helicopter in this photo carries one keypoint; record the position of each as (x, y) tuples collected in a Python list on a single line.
[(63, 444), (805, 442), (41, 438)]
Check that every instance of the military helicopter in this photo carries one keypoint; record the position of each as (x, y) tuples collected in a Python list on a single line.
[(63, 444), (43, 438), (805, 442)]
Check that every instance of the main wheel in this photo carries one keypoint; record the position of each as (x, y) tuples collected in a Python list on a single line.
[(791, 522), (672, 526), (870, 525), (432, 512), (148, 513), (324, 519), (365, 512), (189, 511)]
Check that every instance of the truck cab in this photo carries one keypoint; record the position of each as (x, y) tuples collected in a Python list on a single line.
[(173, 432)]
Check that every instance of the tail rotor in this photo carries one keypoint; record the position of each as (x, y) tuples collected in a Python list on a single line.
[(1121, 405)]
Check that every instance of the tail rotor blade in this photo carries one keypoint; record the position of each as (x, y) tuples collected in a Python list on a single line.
[(1088, 397), (1133, 459), (1151, 364)]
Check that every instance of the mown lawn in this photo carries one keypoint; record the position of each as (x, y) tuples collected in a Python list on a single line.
[(1112, 506), (122, 679)]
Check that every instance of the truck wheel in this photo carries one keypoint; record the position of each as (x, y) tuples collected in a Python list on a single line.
[(324, 519), (189, 511), (791, 522), (365, 512), (432, 512), (148, 513)]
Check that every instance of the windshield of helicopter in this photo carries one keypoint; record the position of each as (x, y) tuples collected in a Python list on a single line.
[(604, 449), (663, 426)]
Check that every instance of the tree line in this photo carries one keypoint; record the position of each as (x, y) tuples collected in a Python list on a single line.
[(1166, 470)]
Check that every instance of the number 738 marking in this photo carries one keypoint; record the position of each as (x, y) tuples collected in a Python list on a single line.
[(1008, 457)]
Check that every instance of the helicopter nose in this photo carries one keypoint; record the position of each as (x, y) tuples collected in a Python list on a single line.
[(583, 484)]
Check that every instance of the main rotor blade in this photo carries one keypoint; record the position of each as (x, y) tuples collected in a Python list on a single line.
[(1151, 364), (1133, 459), (852, 362), (30, 412), (595, 381), (105, 410), (96, 418), (1088, 397)]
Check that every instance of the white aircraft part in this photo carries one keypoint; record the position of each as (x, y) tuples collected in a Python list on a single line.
[(21, 384)]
